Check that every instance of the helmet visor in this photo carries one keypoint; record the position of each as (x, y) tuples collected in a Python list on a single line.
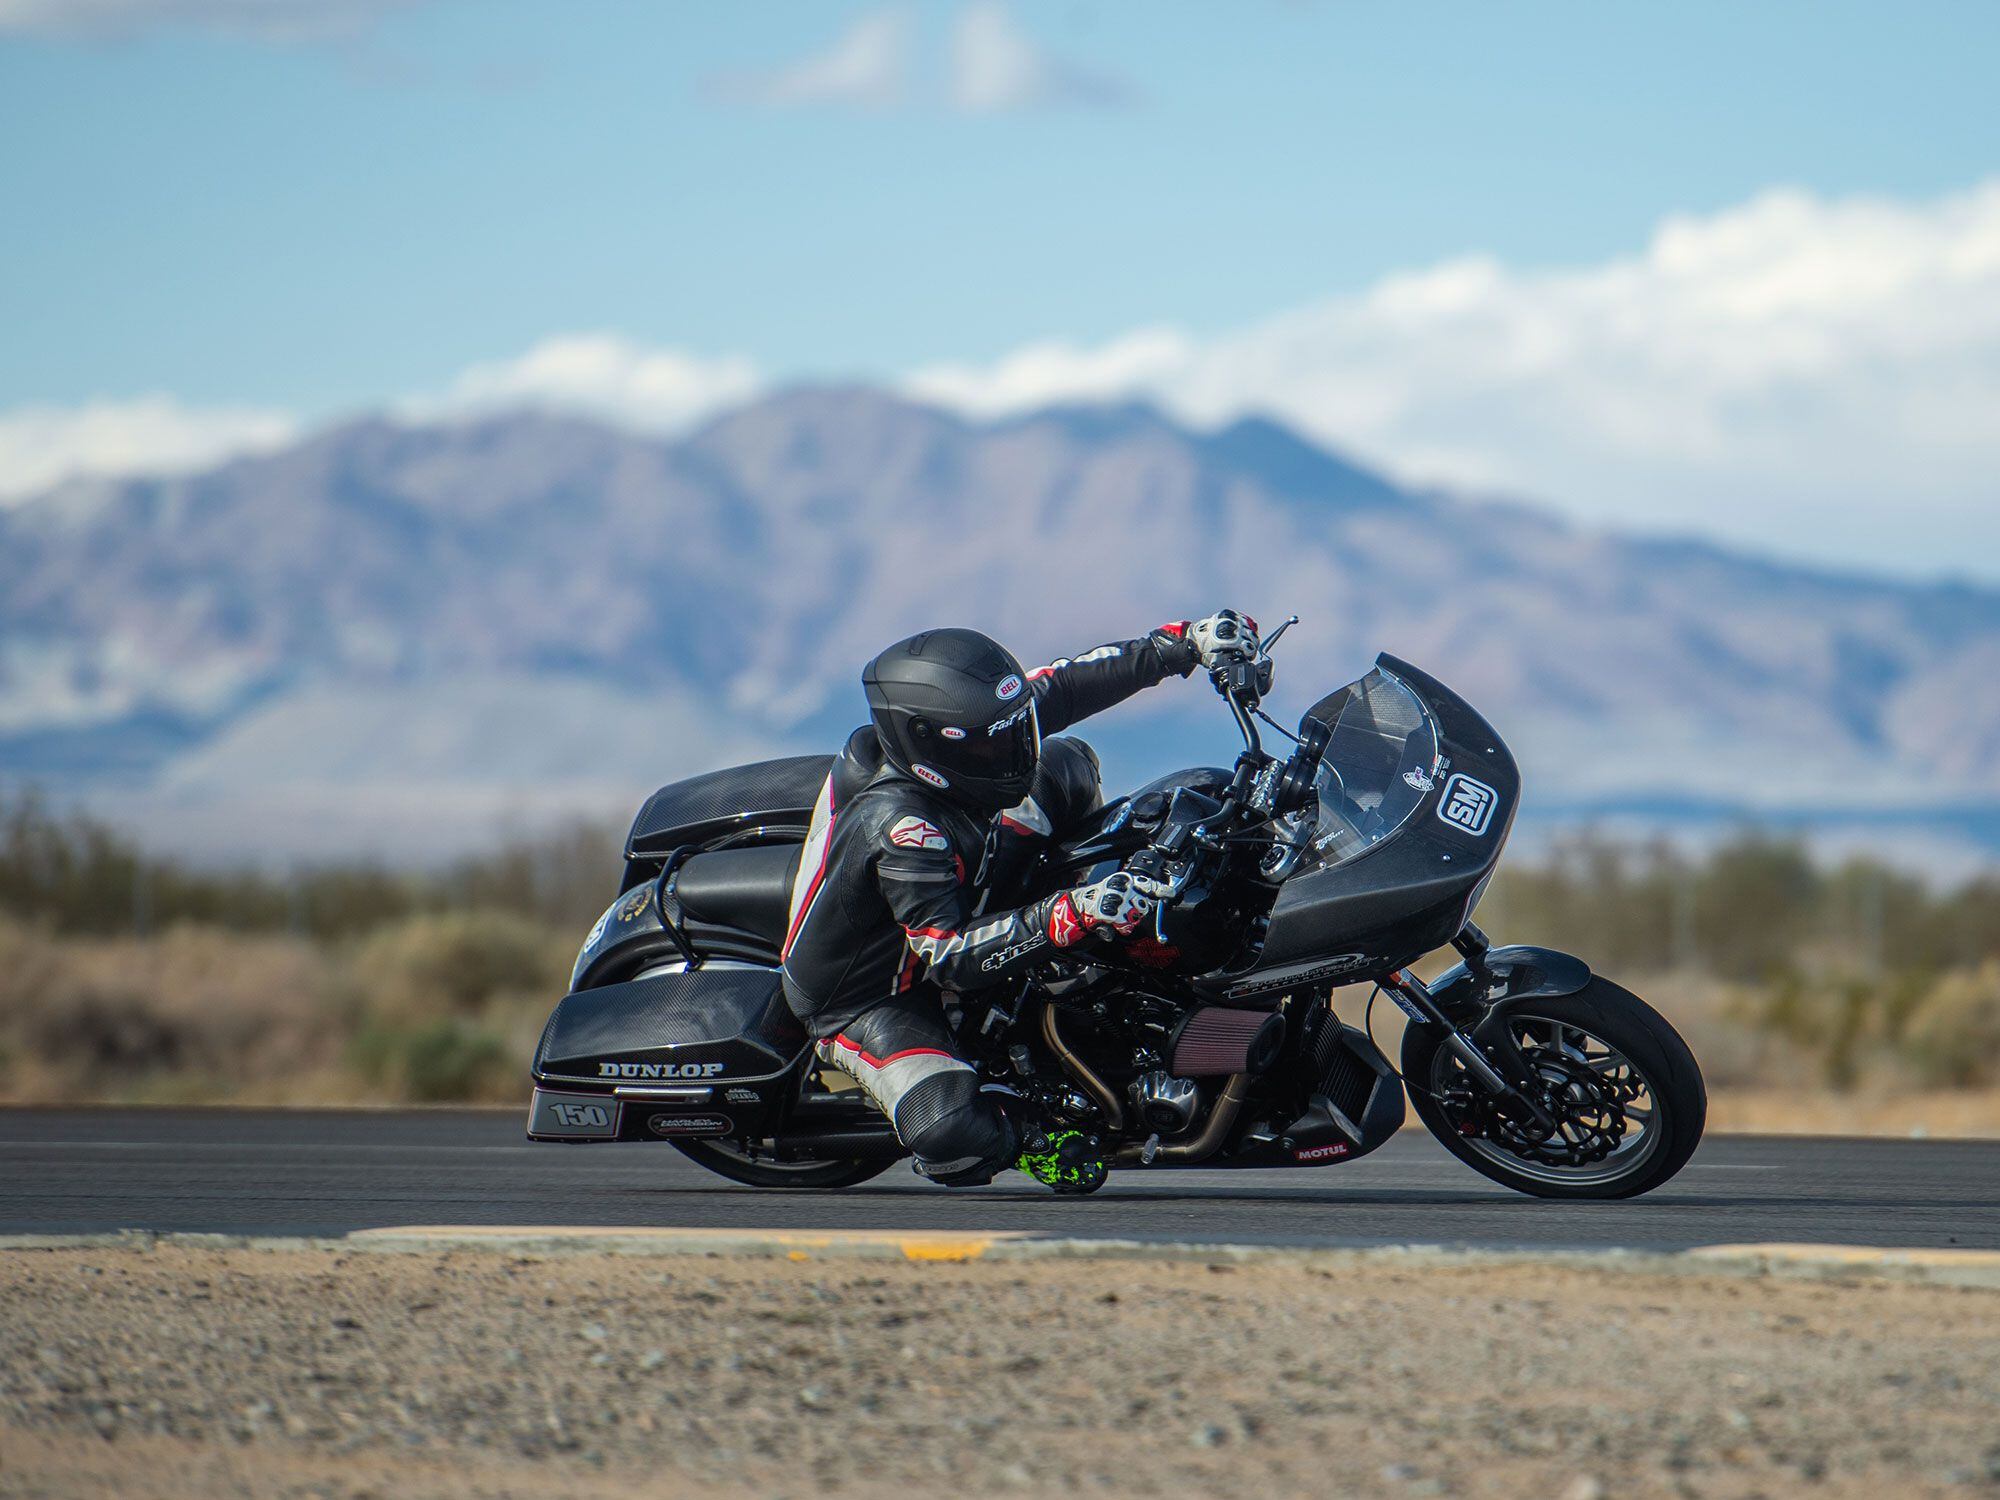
[(1003, 750)]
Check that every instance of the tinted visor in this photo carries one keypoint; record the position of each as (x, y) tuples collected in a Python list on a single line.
[(1006, 748)]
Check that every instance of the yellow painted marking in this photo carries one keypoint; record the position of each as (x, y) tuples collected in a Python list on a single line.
[(960, 1247)]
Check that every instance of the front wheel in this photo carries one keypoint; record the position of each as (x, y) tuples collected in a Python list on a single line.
[(1626, 1091)]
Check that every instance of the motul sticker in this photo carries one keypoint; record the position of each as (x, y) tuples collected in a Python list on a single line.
[(924, 773), (1010, 687), (915, 833), (1321, 1153)]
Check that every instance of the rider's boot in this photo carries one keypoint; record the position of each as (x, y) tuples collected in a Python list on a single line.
[(1062, 1157)]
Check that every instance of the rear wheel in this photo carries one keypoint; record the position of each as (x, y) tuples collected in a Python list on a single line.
[(736, 1161), (1626, 1091), (727, 1159)]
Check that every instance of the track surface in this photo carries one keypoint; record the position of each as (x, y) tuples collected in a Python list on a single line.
[(323, 1173)]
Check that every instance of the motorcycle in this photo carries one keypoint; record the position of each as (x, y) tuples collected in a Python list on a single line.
[(1211, 1038)]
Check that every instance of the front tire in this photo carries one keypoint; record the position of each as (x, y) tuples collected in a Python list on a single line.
[(1634, 1089)]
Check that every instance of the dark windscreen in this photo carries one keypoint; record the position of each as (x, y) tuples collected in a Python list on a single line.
[(1379, 764)]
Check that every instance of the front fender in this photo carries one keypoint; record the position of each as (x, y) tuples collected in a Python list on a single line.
[(1506, 975)]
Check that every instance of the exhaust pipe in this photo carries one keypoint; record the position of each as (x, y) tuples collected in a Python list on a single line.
[(856, 1142)]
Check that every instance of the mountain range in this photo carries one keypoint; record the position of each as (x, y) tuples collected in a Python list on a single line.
[(404, 638)]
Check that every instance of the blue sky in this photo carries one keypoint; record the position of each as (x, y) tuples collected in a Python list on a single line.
[(213, 203)]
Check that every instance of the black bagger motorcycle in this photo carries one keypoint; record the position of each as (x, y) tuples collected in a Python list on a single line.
[(1211, 1039)]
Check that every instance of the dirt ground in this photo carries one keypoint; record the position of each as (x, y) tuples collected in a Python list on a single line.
[(1963, 1114), (176, 1372)]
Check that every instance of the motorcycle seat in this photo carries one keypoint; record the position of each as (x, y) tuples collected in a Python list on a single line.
[(749, 890)]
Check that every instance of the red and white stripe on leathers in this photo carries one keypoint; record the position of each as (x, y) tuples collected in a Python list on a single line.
[(886, 1080), (807, 883)]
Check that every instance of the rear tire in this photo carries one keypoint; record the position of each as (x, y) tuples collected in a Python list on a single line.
[(726, 1162), (1622, 1023)]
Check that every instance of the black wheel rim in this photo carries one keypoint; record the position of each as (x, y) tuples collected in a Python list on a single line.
[(1608, 1112)]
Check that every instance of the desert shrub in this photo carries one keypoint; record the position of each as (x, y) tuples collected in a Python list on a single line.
[(91, 1017), (437, 1062), (1849, 1026), (1953, 1035), (453, 964)]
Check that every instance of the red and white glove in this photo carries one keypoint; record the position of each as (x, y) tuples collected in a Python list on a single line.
[(1120, 902), (1224, 637)]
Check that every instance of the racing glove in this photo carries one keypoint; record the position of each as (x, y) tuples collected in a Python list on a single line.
[(1215, 641), (1224, 637), (1119, 902)]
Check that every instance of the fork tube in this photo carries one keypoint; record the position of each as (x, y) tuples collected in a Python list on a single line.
[(1417, 1002)]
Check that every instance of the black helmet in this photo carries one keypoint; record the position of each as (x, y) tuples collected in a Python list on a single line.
[(952, 708)]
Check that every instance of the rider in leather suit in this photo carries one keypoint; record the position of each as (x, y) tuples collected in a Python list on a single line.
[(932, 812)]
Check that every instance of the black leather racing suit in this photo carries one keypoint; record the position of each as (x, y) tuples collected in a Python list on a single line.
[(888, 908)]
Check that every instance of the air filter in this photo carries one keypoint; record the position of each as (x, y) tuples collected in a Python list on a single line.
[(1216, 1040)]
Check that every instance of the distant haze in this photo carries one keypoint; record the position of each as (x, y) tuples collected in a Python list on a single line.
[(400, 637)]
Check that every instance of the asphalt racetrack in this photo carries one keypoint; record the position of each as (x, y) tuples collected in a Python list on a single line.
[(327, 1172)]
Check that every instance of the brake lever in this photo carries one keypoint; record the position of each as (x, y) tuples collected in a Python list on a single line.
[(1265, 644)]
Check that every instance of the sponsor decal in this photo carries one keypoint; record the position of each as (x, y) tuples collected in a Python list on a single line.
[(1007, 955), (1406, 1006), (1331, 1152), (635, 905), (743, 1096), (924, 773), (1064, 928), (916, 833), (952, 732), (1337, 967), (573, 1116), (658, 1069), (1468, 805), (1000, 726), (1010, 687), (1420, 780), (597, 931), (690, 1124)]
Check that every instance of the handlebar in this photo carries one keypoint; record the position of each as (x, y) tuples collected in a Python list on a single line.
[(1261, 785)]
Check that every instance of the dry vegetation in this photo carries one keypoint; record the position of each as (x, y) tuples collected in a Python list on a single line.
[(1853, 998)]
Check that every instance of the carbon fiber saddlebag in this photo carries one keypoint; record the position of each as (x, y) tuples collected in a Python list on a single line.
[(704, 1052)]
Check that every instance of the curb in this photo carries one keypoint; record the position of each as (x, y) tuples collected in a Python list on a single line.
[(1976, 1269)]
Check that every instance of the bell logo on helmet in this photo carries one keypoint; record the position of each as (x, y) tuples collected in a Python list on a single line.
[(952, 732), (1010, 687), (924, 773)]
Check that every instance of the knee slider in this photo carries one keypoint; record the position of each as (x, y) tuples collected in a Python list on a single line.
[(957, 1134)]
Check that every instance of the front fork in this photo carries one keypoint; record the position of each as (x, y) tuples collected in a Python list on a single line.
[(1489, 1051)]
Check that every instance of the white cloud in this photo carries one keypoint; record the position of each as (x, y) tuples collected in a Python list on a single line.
[(600, 375), (269, 20), (1798, 373), (996, 66), (866, 68), (42, 445)]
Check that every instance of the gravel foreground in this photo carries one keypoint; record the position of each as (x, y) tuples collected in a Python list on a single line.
[(197, 1373)]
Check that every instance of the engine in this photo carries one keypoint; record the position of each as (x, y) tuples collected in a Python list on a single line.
[(1165, 1103)]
